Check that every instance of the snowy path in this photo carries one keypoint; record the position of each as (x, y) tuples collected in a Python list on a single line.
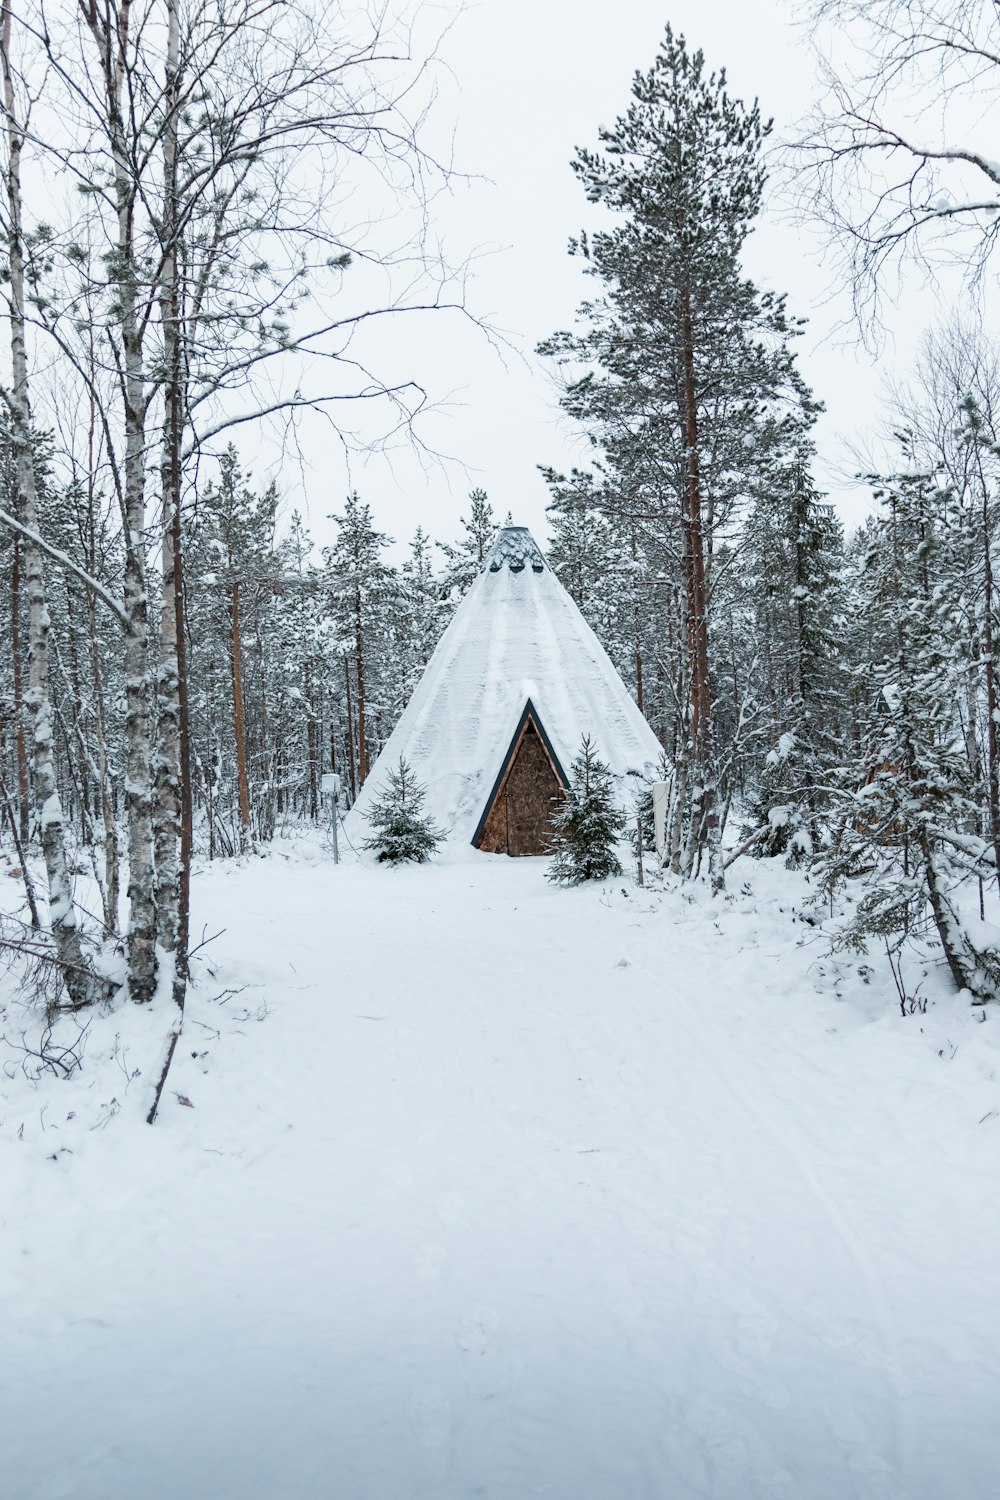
[(515, 1192)]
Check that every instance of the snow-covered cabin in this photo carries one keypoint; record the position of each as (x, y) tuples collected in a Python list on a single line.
[(516, 681)]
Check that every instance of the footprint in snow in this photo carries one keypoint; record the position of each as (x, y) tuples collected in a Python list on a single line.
[(477, 1328), (624, 1300), (430, 1412), (428, 1262), (487, 1367)]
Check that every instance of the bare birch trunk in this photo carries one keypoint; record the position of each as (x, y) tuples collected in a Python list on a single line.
[(990, 669), (111, 39), (112, 871), (167, 819), (111, 889), (966, 966), (29, 884), (187, 789), (138, 799), (20, 746), (81, 983)]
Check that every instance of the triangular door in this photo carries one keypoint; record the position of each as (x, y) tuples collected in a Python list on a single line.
[(518, 815)]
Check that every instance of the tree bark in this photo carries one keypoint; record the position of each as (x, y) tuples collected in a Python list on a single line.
[(21, 749), (637, 630), (29, 884), (111, 890), (312, 744), (239, 718), (705, 818), (111, 39), (350, 730), (81, 983), (990, 674), (168, 820), (363, 764), (186, 762)]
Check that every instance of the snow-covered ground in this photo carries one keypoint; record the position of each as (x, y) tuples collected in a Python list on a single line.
[(496, 1190)]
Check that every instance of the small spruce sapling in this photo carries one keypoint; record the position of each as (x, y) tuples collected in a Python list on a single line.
[(401, 830), (589, 824)]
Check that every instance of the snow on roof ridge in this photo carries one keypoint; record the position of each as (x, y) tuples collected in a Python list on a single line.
[(516, 547)]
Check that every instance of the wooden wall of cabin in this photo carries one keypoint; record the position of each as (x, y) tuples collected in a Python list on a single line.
[(520, 820)]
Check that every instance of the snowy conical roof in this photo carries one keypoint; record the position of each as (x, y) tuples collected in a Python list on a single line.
[(516, 635)]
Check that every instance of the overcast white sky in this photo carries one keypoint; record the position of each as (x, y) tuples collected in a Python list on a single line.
[(530, 79)]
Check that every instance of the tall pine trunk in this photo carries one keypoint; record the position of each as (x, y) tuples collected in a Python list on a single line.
[(363, 762), (239, 716), (636, 627), (350, 730), (705, 814)]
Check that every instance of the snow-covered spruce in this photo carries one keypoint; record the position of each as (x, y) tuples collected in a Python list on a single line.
[(402, 831), (589, 824)]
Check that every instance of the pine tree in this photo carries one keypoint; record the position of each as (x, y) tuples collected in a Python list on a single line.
[(588, 825), (235, 569), (363, 591), (297, 687), (464, 562), (582, 547), (402, 831), (685, 366), (601, 553), (421, 619), (791, 569), (911, 828)]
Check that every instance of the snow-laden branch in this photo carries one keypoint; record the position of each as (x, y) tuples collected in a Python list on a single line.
[(65, 561)]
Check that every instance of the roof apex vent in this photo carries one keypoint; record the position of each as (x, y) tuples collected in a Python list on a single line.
[(515, 548)]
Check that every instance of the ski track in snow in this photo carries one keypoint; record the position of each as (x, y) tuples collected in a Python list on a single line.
[(512, 1192), (781, 1138)]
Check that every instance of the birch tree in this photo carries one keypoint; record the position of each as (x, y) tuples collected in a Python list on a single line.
[(212, 150), (81, 983), (897, 158)]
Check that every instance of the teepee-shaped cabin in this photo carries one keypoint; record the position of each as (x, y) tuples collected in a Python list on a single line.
[(516, 681)]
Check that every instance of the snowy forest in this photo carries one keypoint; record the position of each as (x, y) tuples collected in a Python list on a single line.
[(182, 663), (206, 208)]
